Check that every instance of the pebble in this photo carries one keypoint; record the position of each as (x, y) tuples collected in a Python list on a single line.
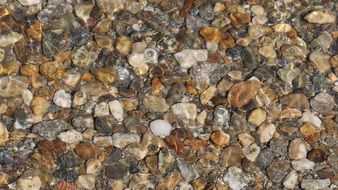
[(116, 109), (321, 61), (156, 104), (291, 180), (52, 70), (120, 140), (39, 105), (62, 98), (266, 132), (101, 109), (93, 166), (317, 154), (311, 184), (310, 118), (231, 156), (295, 100), (10, 39), (297, 149), (307, 129), (25, 183), (236, 178), (278, 170), (116, 171), (29, 2), (220, 138), (85, 151), (282, 27), (160, 128), (251, 152), (70, 137), (288, 73), (241, 93), (245, 139), (207, 94), (189, 57), (4, 136), (221, 115), (322, 102), (268, 52), (104, 75), (257, 116), (302, 164), (320, 17), (170, 181), (185, 111), (85, 181), (123, 45), (12, 86), (187, 171)]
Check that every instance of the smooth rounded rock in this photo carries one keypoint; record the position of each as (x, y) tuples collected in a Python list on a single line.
[(160, 127), (62, 98)]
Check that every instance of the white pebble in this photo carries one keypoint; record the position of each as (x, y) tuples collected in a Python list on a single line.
[(116, 109), (302, 164), (291, 180), (62, 99), (188, 57), (101, 109), (160, 127), (310, 118)]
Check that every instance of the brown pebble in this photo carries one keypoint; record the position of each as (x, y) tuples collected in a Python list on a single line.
[(220, 138), (85, 151), (52, 70), (241, 93), (317, 154)]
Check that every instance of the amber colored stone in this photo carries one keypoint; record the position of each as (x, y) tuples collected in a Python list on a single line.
[(65, 185), (104, 41), (85, 151), (103, 26), (104, 75), (9, 68), (156, 86), (317, 154), (52, 70), (220, 138), (123, 45), (241, 93), (6, 23), (195, 143), (86, 77), (55, 147), (34, 31), (175, 144), (186, 8), (20, 51), (226, 42), (307, 129), (199, 184), (4, 11), (211, 34), (239, 19)]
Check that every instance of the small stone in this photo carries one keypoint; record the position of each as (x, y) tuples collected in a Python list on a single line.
[(3, 179), (61, 185), (334, 61), (79, 99), (27, 97), (103, 26), (85, 181), (50, 129), (277, 170), (297, 149), (29, 2), (236, 178), (266, 132), (257, 116), (219, 7), (321, 60), (309, 117), (320, 17), (155, 104), (317, 154), (207, 94), (72, 79), (104, 75), (322, 102), (251, 152), (123, 45), (24, 183), (288, 73), (116, 171), (4, 136), (39, 105), (116, 109), (9, 68), (231, 156), (282, 27), (187, 171), (268, 52), (189, 57), (160, 128), (101, 109), (12, 86), (83, 56), (295, 100), (10, 39), (29, 70), (62, 99), (291, 180), (103, 141), (221, 115), (290, 113), (307, 129), (325, 173), (170, 181), (70, 137), (185, 110), (241, 93), (294, 52), (220, 138), (312, 184), (52, 70), (85, 151), (245, 139), (302, 164), (120, 140), (211, 34), (93, 166)]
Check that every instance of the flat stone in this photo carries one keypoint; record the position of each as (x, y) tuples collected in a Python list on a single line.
[(39, 105), (220, 138), (207, 94), (252, 152), (70, 137), (320, 17), (93, 166), (155, 104), (62, 98), (24, 183), (10, 39), (268, 52), (120, 140), (288, 73), (236, 178), (29, 2), (295, 100), (302, 164), (116, 171), (245, 139), (241, 93), (221, 115), (101, 109), (322, 102)]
